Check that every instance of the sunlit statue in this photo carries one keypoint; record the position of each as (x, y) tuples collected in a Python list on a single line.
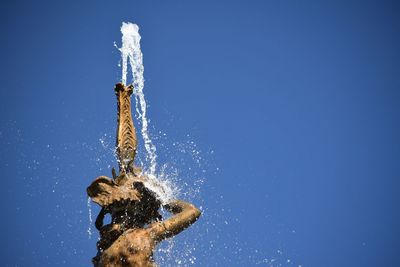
[(136, 225)]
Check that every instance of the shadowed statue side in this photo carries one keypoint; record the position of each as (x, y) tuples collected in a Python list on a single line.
[(136, 226)]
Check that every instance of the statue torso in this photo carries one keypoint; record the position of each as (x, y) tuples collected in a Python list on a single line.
[(134, 248)]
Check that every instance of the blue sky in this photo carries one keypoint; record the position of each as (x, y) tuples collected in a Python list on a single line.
[(293, 107)]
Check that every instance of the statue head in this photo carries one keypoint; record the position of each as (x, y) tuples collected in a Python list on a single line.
[(128, 195)]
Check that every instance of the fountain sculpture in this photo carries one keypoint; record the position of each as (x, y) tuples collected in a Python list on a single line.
[(136, 225)]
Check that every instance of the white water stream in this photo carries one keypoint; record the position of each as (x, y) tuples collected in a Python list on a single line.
[(132, 55)]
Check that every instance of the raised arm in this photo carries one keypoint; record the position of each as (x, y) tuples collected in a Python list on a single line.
[(185, 214)]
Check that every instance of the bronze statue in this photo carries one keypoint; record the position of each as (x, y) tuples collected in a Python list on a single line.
[(136, 225)]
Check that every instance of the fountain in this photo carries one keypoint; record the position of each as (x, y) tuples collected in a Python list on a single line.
[(134, 196)]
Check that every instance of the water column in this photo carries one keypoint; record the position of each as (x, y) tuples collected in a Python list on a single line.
[(132, 55)]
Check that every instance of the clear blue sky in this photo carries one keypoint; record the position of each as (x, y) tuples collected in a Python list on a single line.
[(298, 100)]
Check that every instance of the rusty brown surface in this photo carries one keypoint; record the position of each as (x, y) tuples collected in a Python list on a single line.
[(136, 226)]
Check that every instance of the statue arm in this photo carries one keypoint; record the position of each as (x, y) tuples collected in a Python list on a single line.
[(185, 214)]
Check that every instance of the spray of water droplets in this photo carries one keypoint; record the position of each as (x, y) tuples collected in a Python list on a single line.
[(89, 230)]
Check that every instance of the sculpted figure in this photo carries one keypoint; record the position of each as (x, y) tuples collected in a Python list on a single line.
[(136, 225)]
